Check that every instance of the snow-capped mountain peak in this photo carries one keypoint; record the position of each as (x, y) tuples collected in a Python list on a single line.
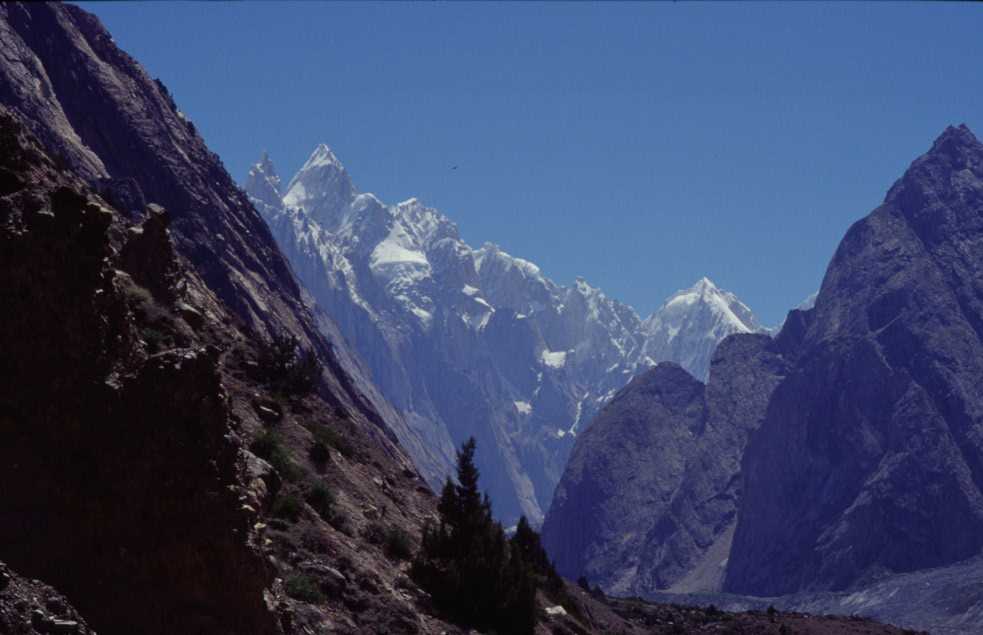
[(467, 341), (322, 156), (705, 294), (263, 182), (692, 321), (322, 188)]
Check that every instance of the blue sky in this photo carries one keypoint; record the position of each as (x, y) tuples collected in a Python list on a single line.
[(640, 146)]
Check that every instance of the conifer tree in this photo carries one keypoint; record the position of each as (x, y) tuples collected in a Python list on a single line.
[(473, 573)]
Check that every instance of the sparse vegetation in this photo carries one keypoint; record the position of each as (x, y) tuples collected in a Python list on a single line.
[(267, 446), (287, 506), (322, 500), (374, 533), (397, 544), (287, 369), (303, 587), (319, 454), (331, 438)]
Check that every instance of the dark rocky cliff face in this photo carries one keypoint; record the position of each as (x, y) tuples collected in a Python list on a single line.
[(130, 339), (96, 110), (649, 498), (119, 455), (870, 458)]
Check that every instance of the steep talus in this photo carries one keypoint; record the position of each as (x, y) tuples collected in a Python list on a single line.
[(649, 498), (870, 458)]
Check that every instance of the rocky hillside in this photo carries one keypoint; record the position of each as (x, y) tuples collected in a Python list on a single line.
[(30, 607), (650, 496), (466, 341), (134, 342), (99, 114), (870, 459)]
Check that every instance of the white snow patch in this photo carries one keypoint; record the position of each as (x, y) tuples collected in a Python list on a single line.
[(424, 316), (397, 248), (524, 407), (554, 359), (484, 320), (469, 290), (580, 413)]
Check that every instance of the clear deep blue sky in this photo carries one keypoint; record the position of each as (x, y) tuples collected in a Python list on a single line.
[(640, 146)]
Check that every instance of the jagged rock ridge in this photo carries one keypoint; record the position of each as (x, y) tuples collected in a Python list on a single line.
[(650, 496), (863, 429), (870, 459), (470, 341)]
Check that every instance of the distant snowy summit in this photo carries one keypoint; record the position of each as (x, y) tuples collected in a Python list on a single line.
[(475, 342), (690, 324)]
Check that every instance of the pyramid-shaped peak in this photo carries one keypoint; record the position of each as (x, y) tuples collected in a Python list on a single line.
[(956, 133), (322, 156), (954, 141), (704, 285), (703, 291)]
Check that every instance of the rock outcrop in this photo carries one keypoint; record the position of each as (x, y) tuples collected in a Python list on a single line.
[(30, 607), (870, 458), (118, 453), (650, 496)]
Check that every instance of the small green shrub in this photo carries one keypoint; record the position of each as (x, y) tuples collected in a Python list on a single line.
[(322, 500), (374, 534), (304, 588), (397, 544), (267, 446), (331, 438), (287, 506), (319, 454), (340, 522), (286, 368), (156, 339)]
